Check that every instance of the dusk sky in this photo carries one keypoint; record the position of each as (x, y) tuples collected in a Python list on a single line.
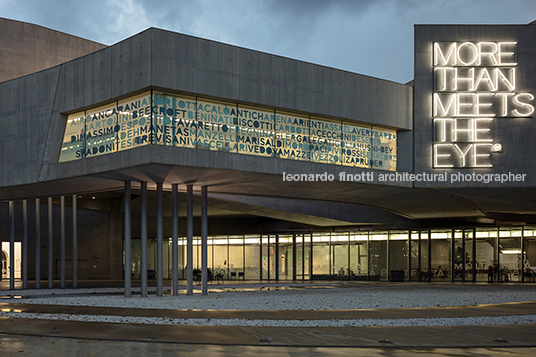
[(363, 36)]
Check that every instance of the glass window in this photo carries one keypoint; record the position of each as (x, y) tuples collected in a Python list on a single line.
[(325, 141), (359, 256), (486, 241), (510, 257), (440, 256), (216, 128), (272, 256), (384, 149), (73, 147), (255, 131), (236, 257), (398, 255), (339, 261), (529, 258), (101, 128), (220, 256), (134, 121), (321, 255), (285, 257), (265, 258), (163, 118), (356, 145), (292, 136), (378, 256), (252, 253), (174, 118)]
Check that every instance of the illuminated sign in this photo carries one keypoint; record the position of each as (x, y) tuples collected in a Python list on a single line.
[(172, 120), (474, 84)]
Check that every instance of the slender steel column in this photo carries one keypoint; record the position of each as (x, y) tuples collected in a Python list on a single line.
[(303, 257), (409, 256), (25, 244), (174, 241), (260, 257), (420, 257), (11, 247), (522, 272), (388, 263), (349, 259), (463, 255), (50, 247), (143, 235), (473, 256), (429, 255), (277, 257), (159, 241), (294, 265), (453, 256), (75, 242), (127, 228), (204, 231), (269, 255), (311, 257), (37, 243), (497, 254), (62, 231), (189, 240)]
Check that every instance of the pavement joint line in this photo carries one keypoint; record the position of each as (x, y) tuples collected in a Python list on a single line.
[(391, 346), (522, 308)]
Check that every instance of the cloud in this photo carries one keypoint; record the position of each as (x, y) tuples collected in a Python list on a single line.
[(373, 37)]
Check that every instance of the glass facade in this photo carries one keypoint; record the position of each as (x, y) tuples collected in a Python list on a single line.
[(419, 255), (166, 119)]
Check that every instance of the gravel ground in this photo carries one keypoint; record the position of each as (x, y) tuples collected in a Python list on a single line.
[(283, 297), (328, 298), (454, 321)]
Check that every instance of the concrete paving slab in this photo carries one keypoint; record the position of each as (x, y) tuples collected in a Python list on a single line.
[(416, 336), (505, 309), (53, 347)]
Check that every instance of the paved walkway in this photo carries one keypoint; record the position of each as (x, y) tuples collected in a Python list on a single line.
[(415, 336), (296, 341)]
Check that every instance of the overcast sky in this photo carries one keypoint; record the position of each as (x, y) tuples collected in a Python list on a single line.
[(372, 37)]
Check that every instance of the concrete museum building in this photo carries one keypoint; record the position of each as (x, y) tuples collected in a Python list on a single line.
[(171, 157)]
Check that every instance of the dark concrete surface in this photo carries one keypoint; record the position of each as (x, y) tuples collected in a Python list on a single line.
[(506, 309), (53, 347), (26, 337)]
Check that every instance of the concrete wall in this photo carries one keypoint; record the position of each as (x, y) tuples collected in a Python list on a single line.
[(27, 48), (32, 124), (515, 134), (99, 240), (241, 75)]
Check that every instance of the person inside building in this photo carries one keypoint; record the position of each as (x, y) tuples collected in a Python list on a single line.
[(490, 274)]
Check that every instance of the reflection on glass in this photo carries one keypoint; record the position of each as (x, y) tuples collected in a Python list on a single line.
[(510, 257), (285, 257), (398, 256), (255, 131), (325, 141), (292, 137), (384, 149), (101, 128), (321, 255), (441, 255), (356, 145), (216, 128), (378, 257), (134, 121), (252, 254), (174, 119)]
